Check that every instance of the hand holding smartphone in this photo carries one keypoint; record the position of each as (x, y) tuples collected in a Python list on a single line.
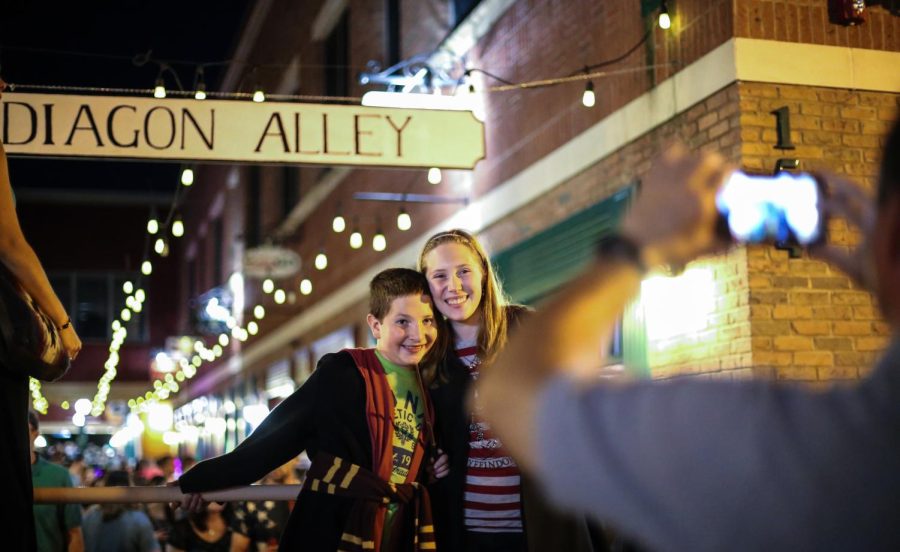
[(786, 208)]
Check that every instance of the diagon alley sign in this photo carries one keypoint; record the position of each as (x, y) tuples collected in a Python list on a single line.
[(238, 131)]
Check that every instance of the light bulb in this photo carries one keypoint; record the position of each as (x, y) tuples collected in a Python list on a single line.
[(356, 239), (159, 246), (140, 295), (305, 286), (665, 21), (258, 95), (159, 91), (223, 340), (338, 224), (125, 315), (200, 94), (434, 175), (280, 296), (128, 287), (152, 226), (178, 227), (268, 285), (252, 328), (187, 177), (379, 242), (404, 221), (321, 261), (146, 268), (588, 99), (259, 312)]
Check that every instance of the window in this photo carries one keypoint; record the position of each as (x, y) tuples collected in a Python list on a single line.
[(337, 58), (534, 268), (95, 299)]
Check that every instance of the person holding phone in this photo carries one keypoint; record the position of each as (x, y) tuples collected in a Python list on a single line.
[(709, 464)]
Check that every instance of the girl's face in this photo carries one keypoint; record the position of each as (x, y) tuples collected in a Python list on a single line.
[(456, 278)]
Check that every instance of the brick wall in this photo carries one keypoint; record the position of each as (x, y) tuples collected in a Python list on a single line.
[(809, 321)]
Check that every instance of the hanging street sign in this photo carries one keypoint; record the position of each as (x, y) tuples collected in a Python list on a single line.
[(179, 129)]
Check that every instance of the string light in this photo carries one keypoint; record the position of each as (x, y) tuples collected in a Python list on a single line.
[(305, 286), (588, 99), (404, 221), (321, 261), (434, 175), (223, 339), (178, 227), (258, 95), (665, 22), (259, 312), (268, 286), (200, 93), (152, 226), (159, 91), (146, 268), (379, 242), (356, 239), (161, 247), (280, 296), (338, 224), (187, 176), (128, 287), (253, 327)]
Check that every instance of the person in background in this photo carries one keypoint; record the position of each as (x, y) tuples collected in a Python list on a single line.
[(118, 527), (57, 526), (710, 464), (17, 525), (266, 520), (215, 529)]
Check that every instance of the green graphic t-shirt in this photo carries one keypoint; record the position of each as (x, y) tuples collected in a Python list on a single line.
[(409, 414)]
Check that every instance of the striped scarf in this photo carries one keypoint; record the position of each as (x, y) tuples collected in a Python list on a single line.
[(332, 475)]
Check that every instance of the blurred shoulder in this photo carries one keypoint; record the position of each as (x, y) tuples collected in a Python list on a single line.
[(515, 313)]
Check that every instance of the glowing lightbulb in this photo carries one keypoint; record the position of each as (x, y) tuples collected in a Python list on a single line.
[(152, 226), (379, 242), (187, 177), (178, 227), (356, 239), (434, 175), (268, 285), (259, 312), (146, 268), (588, 99), (128, 287), (159, 91), (404, 221), (280, 296), (321, 261), (338, 224), (305, 286)]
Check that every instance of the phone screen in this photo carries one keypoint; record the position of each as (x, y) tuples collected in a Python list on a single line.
[(781, 209)]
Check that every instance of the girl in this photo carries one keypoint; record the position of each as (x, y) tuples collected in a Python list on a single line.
[(483, 504)]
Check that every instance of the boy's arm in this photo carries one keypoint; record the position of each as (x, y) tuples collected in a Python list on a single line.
[(284, 433)]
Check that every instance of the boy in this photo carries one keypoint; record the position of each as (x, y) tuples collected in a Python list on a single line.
[(365, 420)]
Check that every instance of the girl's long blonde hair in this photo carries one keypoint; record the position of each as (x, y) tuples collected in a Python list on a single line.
[(492, 333)]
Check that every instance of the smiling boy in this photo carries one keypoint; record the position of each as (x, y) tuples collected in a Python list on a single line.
[(365, 420)]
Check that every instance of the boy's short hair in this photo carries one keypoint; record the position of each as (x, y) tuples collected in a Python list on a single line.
[(392, 283)]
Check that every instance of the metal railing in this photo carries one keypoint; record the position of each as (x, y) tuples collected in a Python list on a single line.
[(141, 495)]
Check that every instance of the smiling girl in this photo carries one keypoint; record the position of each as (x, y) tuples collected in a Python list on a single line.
[(484, 504)]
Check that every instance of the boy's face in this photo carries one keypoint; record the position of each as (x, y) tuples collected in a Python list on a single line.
[(407, 331)]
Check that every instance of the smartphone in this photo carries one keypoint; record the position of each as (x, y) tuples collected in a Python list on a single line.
[(784, 209)]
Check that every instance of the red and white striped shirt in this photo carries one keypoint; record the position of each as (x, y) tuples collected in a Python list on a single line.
[(493, 501)]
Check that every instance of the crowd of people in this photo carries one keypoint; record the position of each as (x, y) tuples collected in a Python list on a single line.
[(243, 526)]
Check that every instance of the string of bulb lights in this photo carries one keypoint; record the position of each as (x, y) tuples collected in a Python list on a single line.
[(135, 296)]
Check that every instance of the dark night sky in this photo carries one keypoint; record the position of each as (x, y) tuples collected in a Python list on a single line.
[(39, 43)]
